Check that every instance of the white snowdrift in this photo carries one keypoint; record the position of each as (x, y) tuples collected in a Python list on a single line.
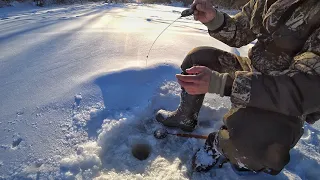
[(170, 158)]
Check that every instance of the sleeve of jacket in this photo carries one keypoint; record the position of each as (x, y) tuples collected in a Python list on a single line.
[(293, 92), (233, 31)]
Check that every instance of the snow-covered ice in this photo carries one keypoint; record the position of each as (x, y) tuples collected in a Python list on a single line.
[(76, 95), (204, 158)]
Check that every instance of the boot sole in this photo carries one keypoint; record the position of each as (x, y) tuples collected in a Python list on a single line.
[(183, 128)]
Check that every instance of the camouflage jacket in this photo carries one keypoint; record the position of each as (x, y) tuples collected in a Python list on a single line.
[(285, 61)]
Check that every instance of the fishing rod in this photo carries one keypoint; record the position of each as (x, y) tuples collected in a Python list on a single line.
[(163, 133), (185, 13)]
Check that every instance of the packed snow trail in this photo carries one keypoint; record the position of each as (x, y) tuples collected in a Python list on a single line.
[(76, 95)]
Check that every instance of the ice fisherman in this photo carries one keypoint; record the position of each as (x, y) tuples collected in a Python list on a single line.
[(273, 92)]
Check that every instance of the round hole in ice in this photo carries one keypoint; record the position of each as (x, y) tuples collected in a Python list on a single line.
[(141, 150)]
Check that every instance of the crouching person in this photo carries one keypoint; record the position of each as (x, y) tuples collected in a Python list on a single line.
[(273, 91)]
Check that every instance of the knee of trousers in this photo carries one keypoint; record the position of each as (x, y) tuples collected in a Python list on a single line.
[(275, 158), (201, 56), (259, 139)]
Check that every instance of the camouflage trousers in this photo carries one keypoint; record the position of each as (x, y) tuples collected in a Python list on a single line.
[(252, 138)]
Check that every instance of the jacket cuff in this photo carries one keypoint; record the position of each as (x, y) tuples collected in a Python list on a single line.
[(217, 83), (241, 89), (216, 22)]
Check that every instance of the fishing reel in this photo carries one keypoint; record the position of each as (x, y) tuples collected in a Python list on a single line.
[(187, 12)]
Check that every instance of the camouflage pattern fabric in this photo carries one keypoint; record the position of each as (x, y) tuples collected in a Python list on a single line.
[(285, 61)]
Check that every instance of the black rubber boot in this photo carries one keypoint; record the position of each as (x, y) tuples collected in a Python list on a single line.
[(208, 156), (185, 117)]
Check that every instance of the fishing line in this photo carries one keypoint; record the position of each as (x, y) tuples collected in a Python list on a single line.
[(184, 13)]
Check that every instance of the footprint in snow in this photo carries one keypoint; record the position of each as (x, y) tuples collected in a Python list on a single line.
[(16, 142), (77, 100), (4, 147), (19, 113), (38, 163)]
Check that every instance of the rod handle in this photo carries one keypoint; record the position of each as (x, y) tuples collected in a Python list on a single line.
[(187, 12), (192, 136)]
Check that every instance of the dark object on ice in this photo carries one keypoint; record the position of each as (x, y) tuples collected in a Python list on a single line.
[(39, 3), (163, 133), (141, 151), (16, 142)]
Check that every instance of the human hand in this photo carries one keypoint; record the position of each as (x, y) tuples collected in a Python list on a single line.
[(197, 81), (204, 11)]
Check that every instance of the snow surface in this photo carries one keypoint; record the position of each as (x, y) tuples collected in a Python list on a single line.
[(77, 92), (204, 158)]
